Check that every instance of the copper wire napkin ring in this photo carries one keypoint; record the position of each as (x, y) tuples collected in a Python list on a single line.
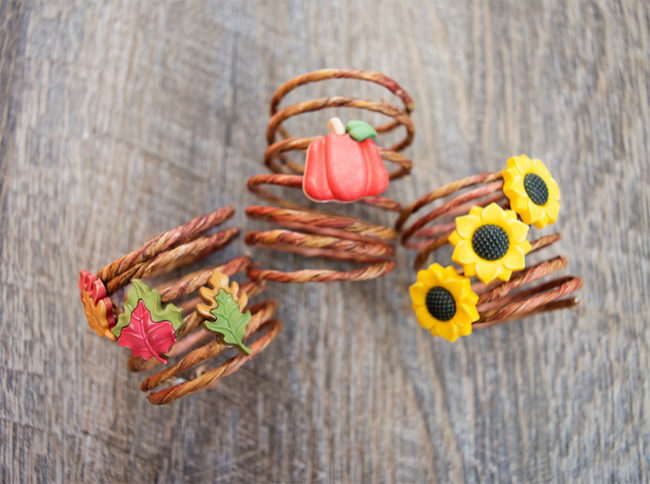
[(320, 233), (498, 301), (102, 293)]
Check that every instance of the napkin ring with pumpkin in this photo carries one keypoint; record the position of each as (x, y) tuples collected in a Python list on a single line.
[(486, 219), (345, 166), (181, 323)]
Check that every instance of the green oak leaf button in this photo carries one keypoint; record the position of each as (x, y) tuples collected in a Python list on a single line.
[(230, 322)]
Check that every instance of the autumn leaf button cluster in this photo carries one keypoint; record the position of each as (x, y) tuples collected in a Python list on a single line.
[(144, 326), (149, 330)]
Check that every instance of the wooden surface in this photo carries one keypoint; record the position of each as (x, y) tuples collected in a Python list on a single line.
[(121, 119)]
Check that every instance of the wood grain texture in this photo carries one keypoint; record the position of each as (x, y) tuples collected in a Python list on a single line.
[(121, 119)]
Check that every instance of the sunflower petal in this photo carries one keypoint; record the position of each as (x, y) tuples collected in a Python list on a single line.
[(504, 274), (514, 259), (517, 231), (471, 298), (515, 188), (520, 204), (493, 214), (464, 253), (429, 278), (525, 210), (449, 274), (456, 288), (421, 275), (447, 331), (463, 316), (476, 211), (424, 318), (553, 189), (487, 271), (510, 215), (522, 162), (552, 210), (418, 293), (466, 225), (470, 312), (540, 169), (469, 269), (537, 215), (454, 238)]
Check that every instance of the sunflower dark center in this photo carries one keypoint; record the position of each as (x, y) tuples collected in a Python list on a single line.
[(490, 242), (441, 303), (536, 189)]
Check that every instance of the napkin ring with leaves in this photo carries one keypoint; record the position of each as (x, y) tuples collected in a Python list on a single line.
[(185, 322)]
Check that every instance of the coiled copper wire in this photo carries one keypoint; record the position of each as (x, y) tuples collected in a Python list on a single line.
[(498, 301), (187, 370), (321, 233)]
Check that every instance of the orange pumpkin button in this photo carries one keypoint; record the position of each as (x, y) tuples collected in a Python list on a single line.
[(345, 165)]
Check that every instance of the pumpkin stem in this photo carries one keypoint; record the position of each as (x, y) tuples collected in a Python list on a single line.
[(336, 126)]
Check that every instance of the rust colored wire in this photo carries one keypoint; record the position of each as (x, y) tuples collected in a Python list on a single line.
[(166, 241), (499, 301), (275, 157), (321, 233), (187, 370)]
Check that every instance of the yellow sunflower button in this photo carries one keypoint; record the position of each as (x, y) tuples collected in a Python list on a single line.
[(490, 243), (444, 302), (532, 191)]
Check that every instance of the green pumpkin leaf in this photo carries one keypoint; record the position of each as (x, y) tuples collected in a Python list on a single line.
[(151, 298), (360, 131), (231, 322)]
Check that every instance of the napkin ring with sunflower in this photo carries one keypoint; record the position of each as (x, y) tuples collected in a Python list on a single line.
[(486, 219), (343, 169), (212, 315)]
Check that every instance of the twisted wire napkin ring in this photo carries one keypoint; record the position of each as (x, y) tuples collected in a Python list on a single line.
[(181, 333), (320, 233), (474, 215)]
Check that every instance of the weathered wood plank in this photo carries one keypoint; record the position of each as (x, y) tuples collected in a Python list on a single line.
[(121, 119)]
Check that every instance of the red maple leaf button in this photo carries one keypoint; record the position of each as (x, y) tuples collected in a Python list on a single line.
[(146, 337)]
